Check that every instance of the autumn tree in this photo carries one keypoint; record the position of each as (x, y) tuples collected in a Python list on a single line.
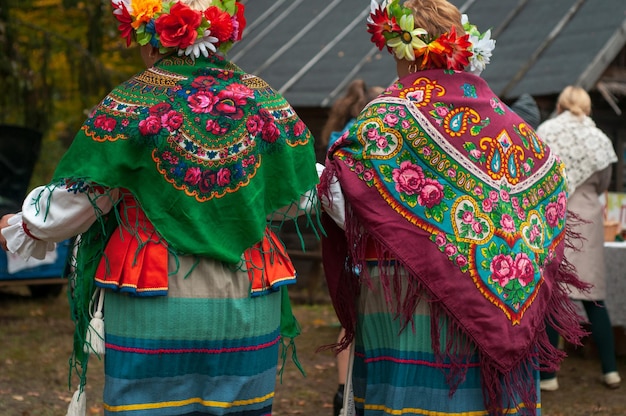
[(58, 58)]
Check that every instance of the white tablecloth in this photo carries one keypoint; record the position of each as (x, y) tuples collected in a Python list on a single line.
[(615, 259)]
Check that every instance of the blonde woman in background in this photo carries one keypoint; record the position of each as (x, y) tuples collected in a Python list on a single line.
[(588, 155)]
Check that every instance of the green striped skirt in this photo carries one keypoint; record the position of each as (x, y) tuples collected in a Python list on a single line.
[(395, 371), (207, 348)]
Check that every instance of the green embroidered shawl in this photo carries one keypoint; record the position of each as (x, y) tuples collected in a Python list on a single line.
[(208, 151)]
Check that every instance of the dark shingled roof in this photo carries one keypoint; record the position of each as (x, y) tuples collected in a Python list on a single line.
[(311, 49)]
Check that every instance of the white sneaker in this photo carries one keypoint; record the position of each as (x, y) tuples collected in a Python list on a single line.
[(550, 384), (612, 380)]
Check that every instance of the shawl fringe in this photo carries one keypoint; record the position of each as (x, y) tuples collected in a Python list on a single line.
[(502, 390)]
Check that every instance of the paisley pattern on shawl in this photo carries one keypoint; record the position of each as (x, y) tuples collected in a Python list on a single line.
[(210, 131), (441, 176), (480, 200)]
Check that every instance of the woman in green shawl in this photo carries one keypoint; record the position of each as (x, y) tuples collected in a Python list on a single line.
[(172, 184)]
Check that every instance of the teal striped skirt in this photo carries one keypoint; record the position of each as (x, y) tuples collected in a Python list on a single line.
[(395, 372), (207, 348)]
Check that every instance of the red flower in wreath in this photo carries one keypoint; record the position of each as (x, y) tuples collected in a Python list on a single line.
[(221, 23), (240, 22), (179, 28), (458, 47), (125, 19), (381, 24)]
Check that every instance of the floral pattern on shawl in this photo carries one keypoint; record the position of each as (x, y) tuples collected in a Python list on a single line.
[(470, 196), (214, 132)]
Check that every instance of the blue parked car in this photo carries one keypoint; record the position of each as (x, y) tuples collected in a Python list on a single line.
[(19, 150)]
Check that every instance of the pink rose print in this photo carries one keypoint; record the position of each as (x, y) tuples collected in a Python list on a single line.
[(368, 175), (299, 128), (381, 110), (409, 178), (391, 120), (524, 269), (493, 195), (202, 102), (426, 151), (405, 124), (207, 181), (487, 205), (105, 123), (504, 195), (203, 82), (150, 126), (212, 126), (359, 168), (502, 269), (160, 109), (507, 223), (475, 153), (230, 103), (402, 113), (461, 261), (349, 161), (372, 134), (223, 177), (254, 124), (193, 175), (99, 121), (450, 250), (561, 203), (478, 190), (240, 91), (431, 193), (382, 142), (477, 227), (172, 120), (451, 173), (552, 214), (534, 232), (441, 240), (515, 202), (442, 111), (270, 132), (467, 217), (496, 105)]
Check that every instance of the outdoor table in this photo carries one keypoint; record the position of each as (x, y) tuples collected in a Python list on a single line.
[(615, 260)]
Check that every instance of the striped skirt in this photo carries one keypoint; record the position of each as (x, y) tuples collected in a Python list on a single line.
[(395, 372), (207, 348)]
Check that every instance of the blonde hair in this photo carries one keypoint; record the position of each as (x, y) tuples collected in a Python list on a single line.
[(347, 107), (575, 100), (436, 16)]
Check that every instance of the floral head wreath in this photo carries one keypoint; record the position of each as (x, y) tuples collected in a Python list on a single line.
[(192, 27), (392, 25)]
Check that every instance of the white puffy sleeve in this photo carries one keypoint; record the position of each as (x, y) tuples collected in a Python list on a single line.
[(53, 214), (335, 206)]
